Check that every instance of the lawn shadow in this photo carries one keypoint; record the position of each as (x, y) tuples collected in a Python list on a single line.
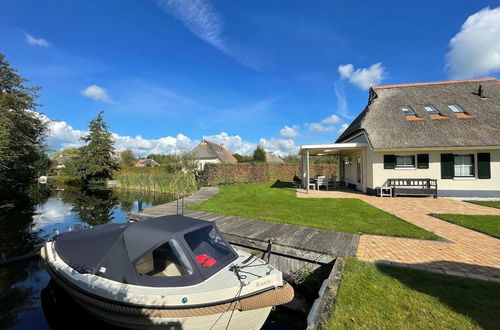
[(283, 185), (473, 298)]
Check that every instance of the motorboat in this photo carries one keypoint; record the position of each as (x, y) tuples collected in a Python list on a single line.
[(171, 272)]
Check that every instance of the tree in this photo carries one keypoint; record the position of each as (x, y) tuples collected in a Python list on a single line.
[(259, 155), (96, 163), (243, 158), (22, 130), (127, 158)]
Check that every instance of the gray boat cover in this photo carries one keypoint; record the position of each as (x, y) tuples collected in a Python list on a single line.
[(112, 250)]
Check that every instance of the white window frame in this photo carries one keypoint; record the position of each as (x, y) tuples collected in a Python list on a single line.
[(405, 167), (461, 110), (472, 166)]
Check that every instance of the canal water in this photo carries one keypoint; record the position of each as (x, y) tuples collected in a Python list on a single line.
[(28, 298)]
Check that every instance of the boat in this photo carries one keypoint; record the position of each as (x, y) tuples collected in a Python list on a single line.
[(171, 272)]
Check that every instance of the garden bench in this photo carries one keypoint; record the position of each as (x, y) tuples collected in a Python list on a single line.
[(413, 187)]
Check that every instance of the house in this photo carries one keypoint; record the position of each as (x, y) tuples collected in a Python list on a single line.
[(448, 131), (59, 162), (146, 163), (209, 152), (272, 158)]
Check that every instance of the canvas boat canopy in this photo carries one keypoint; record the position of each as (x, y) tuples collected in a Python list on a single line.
[(165, 251)]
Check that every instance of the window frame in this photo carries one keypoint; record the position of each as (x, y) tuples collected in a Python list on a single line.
[(433, 112), (472, 166), (458, 107), (410, 114), (399, 167)]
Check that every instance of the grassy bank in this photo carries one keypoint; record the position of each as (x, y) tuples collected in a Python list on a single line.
[(157, 180), (382, 297), (488, 224), (277, 202)]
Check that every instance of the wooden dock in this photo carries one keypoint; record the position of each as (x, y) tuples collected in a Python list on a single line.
[(293, 245)]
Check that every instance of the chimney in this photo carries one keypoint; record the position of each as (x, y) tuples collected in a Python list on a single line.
[(480, 92)]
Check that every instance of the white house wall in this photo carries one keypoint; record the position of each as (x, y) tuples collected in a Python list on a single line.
[(457, 187)]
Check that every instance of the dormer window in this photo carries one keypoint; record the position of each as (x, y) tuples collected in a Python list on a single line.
[(431, 110), (456, 108), (407, 111)]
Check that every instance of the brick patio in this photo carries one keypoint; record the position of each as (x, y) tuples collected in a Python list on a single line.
[(464, 253)]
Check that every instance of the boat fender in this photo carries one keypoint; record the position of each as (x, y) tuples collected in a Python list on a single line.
[(205, 261)]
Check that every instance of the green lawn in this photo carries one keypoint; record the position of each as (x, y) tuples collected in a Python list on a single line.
[(495, 204), (488, 224), (384, 297), (277, 202)]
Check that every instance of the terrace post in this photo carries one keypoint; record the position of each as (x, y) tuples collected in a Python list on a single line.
[(307, 171)]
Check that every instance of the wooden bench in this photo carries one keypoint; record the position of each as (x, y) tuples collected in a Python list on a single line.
[(413, 187)]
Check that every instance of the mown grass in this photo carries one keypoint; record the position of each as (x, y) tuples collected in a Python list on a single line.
[(277, 202), (178, 183), (385, 297), (488, 224), (495, 204)]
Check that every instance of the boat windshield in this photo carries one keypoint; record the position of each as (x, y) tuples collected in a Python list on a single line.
[(207, 246), (164, 261)]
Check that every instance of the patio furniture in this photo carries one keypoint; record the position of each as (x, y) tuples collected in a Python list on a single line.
[(384, 191), (324, 182), (413, 187)]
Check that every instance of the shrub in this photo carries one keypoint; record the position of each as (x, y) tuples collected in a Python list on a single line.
[(222, 174)]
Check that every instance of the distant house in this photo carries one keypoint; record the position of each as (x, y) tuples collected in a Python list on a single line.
[(446, 131), (146, 163), (59, 162), (209, 152), (272, 158)]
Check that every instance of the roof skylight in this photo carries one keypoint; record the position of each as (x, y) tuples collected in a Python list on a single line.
[(431, 110), (407, 110), (456, 108)]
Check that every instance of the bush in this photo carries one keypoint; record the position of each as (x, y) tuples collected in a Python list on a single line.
[(222, 174)]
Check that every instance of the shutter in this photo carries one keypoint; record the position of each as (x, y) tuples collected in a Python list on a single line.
[(483, 165), (389, 161), (447, 169), (423, 161)]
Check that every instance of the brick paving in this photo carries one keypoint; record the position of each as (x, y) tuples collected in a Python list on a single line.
[(464, 252)]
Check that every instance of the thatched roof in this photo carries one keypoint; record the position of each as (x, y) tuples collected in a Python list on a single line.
[(210, 150), (272, 158), (387, 127)]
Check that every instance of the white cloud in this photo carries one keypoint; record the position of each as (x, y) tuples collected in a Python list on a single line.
[(363, 78), (331, 120), (475, 50), (97, 93), (326, 125), (199, 17), (50, 213), (34, 41), (62, 135), (342, 106), (342, 128), (280, 147), (288, 132)]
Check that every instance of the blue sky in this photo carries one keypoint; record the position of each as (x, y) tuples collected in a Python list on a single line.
[(280, 73)]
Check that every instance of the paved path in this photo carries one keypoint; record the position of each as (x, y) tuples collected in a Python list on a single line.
[(464, 253)]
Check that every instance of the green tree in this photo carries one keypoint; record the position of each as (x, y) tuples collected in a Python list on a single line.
[(128, 158), (259, 155), (96, 163), (22, 130), (243, 158)]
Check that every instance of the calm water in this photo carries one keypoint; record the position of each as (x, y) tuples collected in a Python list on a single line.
[(28, 299)]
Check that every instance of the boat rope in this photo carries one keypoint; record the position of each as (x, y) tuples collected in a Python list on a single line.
[(229, 307)]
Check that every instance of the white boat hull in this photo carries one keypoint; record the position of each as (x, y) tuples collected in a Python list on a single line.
[(237, 320)]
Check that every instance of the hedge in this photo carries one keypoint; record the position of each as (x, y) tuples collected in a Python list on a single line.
[(223, 174)]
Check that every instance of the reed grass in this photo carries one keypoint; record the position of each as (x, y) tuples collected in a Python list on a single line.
[(177, 183)]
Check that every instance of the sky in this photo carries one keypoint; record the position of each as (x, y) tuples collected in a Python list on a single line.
[(169, 73)]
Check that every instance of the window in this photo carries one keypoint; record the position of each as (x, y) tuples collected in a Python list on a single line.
[(405, 161), (408, 111), (463, 165), (207, 246), (431, 110), (166, 260), (456, 108)]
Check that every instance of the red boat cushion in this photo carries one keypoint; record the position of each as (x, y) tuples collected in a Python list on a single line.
[(205, 261)]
